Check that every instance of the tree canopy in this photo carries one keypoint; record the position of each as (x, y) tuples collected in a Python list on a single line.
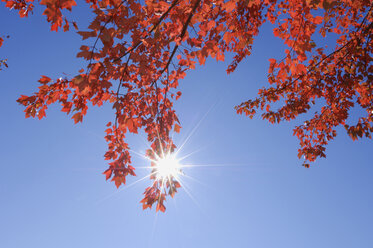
[(138, 51)]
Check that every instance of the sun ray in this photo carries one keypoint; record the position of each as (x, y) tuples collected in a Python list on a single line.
[(195, 180), (122, 189), (189, 154), (159, 141), (189, 194), (213, 165), (196, 127), (142, 155)]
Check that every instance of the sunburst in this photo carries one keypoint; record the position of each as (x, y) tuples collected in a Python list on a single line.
[(167, 167)]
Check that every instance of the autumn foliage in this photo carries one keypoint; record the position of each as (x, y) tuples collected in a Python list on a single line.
[(138, 51)]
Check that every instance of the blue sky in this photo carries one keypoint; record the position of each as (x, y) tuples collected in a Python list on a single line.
[(250, 192)]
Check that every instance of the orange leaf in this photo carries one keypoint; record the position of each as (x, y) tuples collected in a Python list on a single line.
[(318, 20), (177, 128), (108, 173), (78, 117), (86, 35), (230, 5), (301, 69), (131, 125), (44, 80)]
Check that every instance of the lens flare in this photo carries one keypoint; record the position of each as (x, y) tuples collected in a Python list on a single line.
[(167, 167)]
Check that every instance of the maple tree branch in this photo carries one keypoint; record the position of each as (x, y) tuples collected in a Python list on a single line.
[(95, 43), (183, 32), (330, 54), (99, 33), (301, 28), (118, 89), (174, 3), (333, 53), (166, 91), (175, 67), (357, 38)]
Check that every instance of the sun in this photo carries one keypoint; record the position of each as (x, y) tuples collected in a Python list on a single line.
[(167, 167)]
